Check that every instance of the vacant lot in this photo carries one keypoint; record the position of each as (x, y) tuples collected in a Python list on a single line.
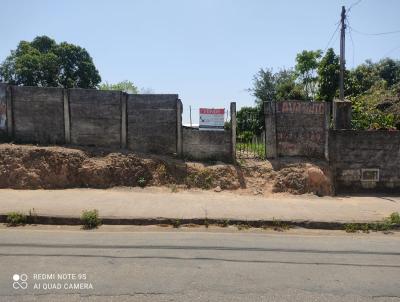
[(35, 167)]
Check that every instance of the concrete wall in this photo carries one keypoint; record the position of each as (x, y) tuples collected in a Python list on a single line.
[(37, 114), (3, 112), (297, 128), (143, 123), (207, 145), (152, 123), (354, 153), (95, 117)]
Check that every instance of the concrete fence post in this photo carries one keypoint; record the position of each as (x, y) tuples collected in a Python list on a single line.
[(67, 117), (341, 114), (270, 130), (233, 131), (9, 112), (124, 128), (327, 126), (179, 138)]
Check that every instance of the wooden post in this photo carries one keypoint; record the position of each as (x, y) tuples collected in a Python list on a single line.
[(270, 130), (233, 131), (10, 117), (179, 139), (124, 100), (67, 117)]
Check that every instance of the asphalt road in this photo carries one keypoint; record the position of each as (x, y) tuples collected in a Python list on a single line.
[(213, 265)]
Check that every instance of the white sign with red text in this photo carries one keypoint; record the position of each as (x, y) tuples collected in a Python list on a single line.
[(212, 119)]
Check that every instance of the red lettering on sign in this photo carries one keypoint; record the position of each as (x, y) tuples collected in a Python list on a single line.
[(211, 111)]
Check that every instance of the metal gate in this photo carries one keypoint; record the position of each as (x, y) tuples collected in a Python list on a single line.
[(250, 133)]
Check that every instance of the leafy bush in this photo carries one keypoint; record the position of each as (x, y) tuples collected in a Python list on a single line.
[(16, 218), (90, 219)]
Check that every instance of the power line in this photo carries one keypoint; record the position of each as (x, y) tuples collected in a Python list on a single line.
[(352, 5), (375, 34), (330, 40), (392, 50), (352, 41)]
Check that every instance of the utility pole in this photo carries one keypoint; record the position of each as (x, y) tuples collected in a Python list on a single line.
[(342, 55), (190, 114)]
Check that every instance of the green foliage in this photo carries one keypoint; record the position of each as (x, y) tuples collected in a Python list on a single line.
[(16, 218), (328, 76), (264, 86), (125, 86), (306, 65), (395, 218), (389, 223), (366, 115), (269, 86), (45, 63), (90, 219), (141, 182), (251, 120)]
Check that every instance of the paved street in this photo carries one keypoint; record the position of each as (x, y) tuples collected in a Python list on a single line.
[(161, 264)]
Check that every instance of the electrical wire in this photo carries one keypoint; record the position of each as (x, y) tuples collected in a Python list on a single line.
[(330, 40), (352, 5), (351, 39), (375, 34)]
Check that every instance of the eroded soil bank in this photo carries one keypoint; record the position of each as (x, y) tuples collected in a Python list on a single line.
[(34, 167)]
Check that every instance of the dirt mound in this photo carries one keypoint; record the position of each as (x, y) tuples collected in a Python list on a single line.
[(33, 167), (303, 178)]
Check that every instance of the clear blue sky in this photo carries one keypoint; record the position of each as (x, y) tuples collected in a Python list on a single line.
[(207, 51)]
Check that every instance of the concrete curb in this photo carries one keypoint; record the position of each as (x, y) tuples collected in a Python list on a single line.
[(60, 220)]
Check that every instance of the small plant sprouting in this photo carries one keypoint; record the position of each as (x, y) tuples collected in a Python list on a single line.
[(395, 218), (141, 182), (90, 219), (176, 223), (16, 218), (174, 188), (224, 223)]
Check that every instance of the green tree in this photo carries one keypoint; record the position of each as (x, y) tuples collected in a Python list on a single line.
[(306, 66), (286, 86), (269, 86), (328, 76), (125, 86), (264, 86), (45, 63)]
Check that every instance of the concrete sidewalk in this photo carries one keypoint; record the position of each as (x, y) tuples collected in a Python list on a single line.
[(155, 203)]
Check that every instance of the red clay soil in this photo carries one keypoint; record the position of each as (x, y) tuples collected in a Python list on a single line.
[(34, 167)]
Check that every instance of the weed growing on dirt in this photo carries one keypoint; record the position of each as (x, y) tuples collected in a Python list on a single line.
[(174, 188), (395, 218), (176, 223), (162, 173), (202, 179), (242, 226), (90, 219), (389, 223), (16, 218), (141, 182), (279, 225), (224, 223)]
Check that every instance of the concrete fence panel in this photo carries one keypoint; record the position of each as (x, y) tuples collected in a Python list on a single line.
[(95, 117), (38, 114), (297, 128), (152, 123), (207, 145), (365, 160)]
